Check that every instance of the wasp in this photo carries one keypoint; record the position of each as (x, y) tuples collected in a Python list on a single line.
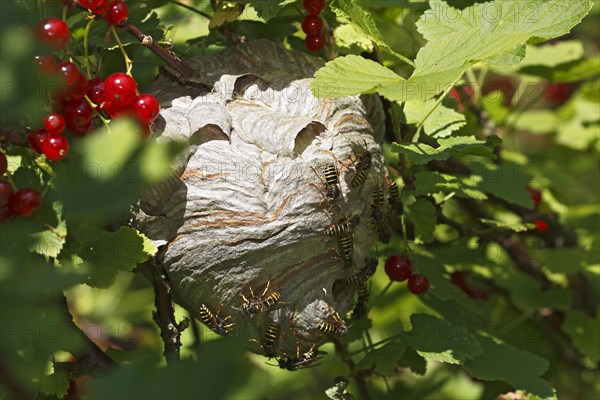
[(364, 274), (394, 199), (343, 227), (303, 360), (214, 322), (362, 165), (383, 228), (263, 302), (346, 242), (330, 182), (333, 329), (362, 302), (379, 216), (271, 338)]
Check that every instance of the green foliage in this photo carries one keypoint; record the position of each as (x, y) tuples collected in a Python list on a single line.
[(464, 168)]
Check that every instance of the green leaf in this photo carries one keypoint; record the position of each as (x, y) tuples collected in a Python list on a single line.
[(584, 332), (561, 260), (350, 75), (50, 242), (422, 215), (440, 340), (419, 153), (348, 11), (348, 39), (553, 55), (413, 360), (430, 182), (385, 358), (55, 384), (458, 39), (537, 121), (505, 181), (499, 361), (110, 252), (440, 123), (512, 225)]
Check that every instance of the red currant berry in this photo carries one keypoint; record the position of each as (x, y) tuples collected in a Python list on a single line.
[(54, 124), (94, 5), (55, 148), (146, 108), (315, 42), (77, 90), (3, 163), (47, 64), (95, 92), (536, 197), (54, 32), (312, 24), (6, 214), (314, 6), (68, 72), (83, 129), (398, 267), (6, 191), (25, 202), (459, 279), (35, 139), (117, 13), (541, 226), (78, 114), (418, 284), (120, 89), (558, 93), (114, 110)]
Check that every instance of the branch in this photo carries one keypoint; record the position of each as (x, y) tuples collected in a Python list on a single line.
[(91, 361), (13, 137), (170, 58), (164, 316), (167, 55)]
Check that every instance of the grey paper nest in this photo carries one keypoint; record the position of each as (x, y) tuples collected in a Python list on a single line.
[(244, 205)]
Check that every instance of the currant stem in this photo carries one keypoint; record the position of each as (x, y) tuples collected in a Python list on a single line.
[(128, 61), (94, 107), (86, 62)]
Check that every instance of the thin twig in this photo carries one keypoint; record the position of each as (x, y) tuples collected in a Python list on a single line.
[(182, 68), (164, 316)]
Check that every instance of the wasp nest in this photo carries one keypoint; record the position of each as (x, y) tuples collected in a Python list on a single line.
[(265, 227)]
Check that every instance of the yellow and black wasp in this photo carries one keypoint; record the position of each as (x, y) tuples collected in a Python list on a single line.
[(271, 339), (303, 360), (336, 328), (253, 304), (362, 302), (361, 167), (364, 274), (330, 183), (344, 226), (379, 215), (214, 321), (394, 196)]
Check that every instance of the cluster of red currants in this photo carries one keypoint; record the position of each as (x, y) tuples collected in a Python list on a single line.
[(398, 267), (78, 98), (312, 24), (459, 278), (24, 202), (114, 12)]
